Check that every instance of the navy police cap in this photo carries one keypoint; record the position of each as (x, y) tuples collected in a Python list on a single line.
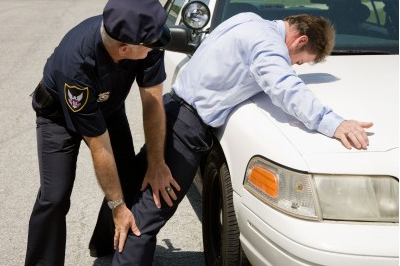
[(139, 22)]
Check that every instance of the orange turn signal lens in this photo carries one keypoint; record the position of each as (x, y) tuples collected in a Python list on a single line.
[(265, 180)]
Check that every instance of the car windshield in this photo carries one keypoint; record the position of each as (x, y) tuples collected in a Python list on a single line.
[(362, 26)]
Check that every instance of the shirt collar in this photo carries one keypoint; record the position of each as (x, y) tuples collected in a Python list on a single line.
[(282, 33), (104, 62), (281, 29)]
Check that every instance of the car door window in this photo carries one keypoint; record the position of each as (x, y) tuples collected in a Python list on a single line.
[(173, 8)]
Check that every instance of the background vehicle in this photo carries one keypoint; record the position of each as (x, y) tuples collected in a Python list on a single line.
[(325, 205)]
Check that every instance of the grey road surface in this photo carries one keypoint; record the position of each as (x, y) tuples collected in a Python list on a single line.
[(29, 32)]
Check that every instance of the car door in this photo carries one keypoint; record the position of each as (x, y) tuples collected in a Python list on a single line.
[(175, 61)]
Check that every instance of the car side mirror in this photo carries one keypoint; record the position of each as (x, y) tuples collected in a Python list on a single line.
[(186, 39), (181, 40)]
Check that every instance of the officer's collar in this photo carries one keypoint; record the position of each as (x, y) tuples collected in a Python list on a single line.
[(105, 63)]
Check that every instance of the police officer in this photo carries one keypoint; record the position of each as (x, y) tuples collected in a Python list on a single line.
[(85, 83)]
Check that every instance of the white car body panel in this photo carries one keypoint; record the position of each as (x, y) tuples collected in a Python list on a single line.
[(174, 62), (356, 89)]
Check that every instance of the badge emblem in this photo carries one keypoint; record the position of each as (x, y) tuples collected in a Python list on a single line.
[(103, 97), (75, 97)]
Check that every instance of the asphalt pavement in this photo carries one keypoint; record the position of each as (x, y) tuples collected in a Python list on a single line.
[(29, 32)]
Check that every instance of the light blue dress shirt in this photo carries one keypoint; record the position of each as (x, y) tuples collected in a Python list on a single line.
[(243, 56)]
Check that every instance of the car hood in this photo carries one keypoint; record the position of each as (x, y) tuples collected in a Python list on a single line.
[(364, 88)]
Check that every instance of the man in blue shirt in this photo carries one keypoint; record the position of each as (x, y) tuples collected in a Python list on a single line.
[(246, 55)]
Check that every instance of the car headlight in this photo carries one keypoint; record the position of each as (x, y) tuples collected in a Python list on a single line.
[(363, 198), (317, 197), (289, 191)]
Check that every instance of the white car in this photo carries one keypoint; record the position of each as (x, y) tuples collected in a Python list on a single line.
[(277, 194)]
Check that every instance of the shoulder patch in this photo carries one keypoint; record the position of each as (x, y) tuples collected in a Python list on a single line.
[(75, 97)]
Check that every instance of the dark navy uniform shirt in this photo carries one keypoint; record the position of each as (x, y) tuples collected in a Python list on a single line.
[(82, 77)]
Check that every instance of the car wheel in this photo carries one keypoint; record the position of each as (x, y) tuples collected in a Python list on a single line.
[(220, 228)]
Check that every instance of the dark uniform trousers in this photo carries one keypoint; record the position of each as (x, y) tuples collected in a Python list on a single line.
[(188, 140), (58, 150)]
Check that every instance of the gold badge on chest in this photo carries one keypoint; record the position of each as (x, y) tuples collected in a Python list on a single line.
[(103, 96)]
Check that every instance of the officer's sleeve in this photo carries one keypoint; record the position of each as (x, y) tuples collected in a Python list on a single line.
[(151, 70), (80, 108)]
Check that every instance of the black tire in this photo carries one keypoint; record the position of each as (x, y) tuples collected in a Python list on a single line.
[(220, 228)]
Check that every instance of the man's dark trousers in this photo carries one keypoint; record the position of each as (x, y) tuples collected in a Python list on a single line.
[(58, 150), (188, 140)]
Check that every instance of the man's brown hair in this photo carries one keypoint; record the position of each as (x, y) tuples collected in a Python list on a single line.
[(320, 33)]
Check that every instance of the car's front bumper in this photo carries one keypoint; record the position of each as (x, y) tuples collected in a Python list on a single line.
[(274, 239)]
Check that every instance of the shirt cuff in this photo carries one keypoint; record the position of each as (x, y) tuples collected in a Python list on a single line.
[(329, 124)]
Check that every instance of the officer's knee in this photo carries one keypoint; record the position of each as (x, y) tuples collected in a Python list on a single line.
[(54, 202)]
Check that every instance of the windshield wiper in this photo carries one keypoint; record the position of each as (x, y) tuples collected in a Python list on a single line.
[(358, 52)]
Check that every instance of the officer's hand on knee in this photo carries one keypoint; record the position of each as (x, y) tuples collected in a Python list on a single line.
[(123, 220)]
